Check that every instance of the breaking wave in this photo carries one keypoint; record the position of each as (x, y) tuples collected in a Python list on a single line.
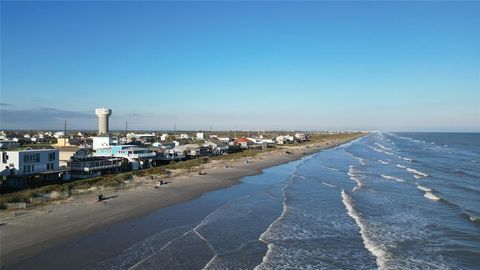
[(392, 178), (431, 196), (379, 253), (419, 173)]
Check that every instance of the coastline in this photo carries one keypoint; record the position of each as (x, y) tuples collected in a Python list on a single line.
[(29, 232)]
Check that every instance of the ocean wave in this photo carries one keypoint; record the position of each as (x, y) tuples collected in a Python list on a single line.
[(379, 253), (264, 236), (299, 176), (431, 196), (419, 173), (426, 189), (330, 168), (472, 217), (361, 160), (354, 177), (391, 177), (382, 146), (401, 166), (407, 159), (327, 184), (383, 162)]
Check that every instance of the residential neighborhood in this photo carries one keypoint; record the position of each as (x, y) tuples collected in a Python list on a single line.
[(31, 159)]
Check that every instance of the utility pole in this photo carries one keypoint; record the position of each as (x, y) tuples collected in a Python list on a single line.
[(65, 134), (126, 128)]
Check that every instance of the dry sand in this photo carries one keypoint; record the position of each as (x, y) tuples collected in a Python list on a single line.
[(28, 232)]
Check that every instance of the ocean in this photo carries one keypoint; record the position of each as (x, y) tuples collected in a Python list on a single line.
[(384, 201)]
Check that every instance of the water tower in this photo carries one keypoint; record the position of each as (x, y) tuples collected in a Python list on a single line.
[(103, 115)]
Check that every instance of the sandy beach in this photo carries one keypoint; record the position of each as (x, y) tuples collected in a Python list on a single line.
[(26, 233)]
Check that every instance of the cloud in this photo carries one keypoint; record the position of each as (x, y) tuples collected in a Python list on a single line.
[(3, 104), (42, 118)]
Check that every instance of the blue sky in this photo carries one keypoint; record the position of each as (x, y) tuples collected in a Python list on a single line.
[(242, 65)]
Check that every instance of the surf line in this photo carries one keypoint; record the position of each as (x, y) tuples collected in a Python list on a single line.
[(379, 253)]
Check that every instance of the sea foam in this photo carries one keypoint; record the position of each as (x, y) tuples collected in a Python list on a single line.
[(431, 196), (379, 253), (426, 189), (417, 172), (393, 178)]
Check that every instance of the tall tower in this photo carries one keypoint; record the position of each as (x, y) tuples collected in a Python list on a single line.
[(103, 115)]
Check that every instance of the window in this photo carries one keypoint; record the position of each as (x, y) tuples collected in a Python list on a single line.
[(24, 169), (37, 157), (51, 156), (4, 157)]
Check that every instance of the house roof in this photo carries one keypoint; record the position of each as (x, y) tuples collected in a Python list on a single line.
[(242, 140)]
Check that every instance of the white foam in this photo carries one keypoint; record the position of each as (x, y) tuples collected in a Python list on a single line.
[(375, 149), (327, 184), (285, 207), (379, 253), (383, 147), (407, 159), (401, 166), (417, 172), (417, 176), (431, 196), (383, 162), (393, 178), (426, 189), (361, 160), (353, 176), (330, 168), (299, 176)]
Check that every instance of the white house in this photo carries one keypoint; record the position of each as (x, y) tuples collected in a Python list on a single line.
[(29, 162), (164, 137), (101, 142), (199, 135)]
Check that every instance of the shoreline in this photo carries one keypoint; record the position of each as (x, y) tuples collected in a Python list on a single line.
[(29, 232)]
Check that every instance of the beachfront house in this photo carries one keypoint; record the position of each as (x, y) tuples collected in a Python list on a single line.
[(29, 167), (84, 165), (243, 143), (138, 157)]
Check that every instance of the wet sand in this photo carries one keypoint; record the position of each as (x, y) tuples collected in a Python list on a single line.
[(29, 232)]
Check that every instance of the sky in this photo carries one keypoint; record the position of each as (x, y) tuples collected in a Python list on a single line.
[(393, 66)]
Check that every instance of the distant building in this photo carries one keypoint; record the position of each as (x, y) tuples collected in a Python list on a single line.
[(8, 144), (243, 143), (300, 137), (199, 135), (102, 142), (62, 142)]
